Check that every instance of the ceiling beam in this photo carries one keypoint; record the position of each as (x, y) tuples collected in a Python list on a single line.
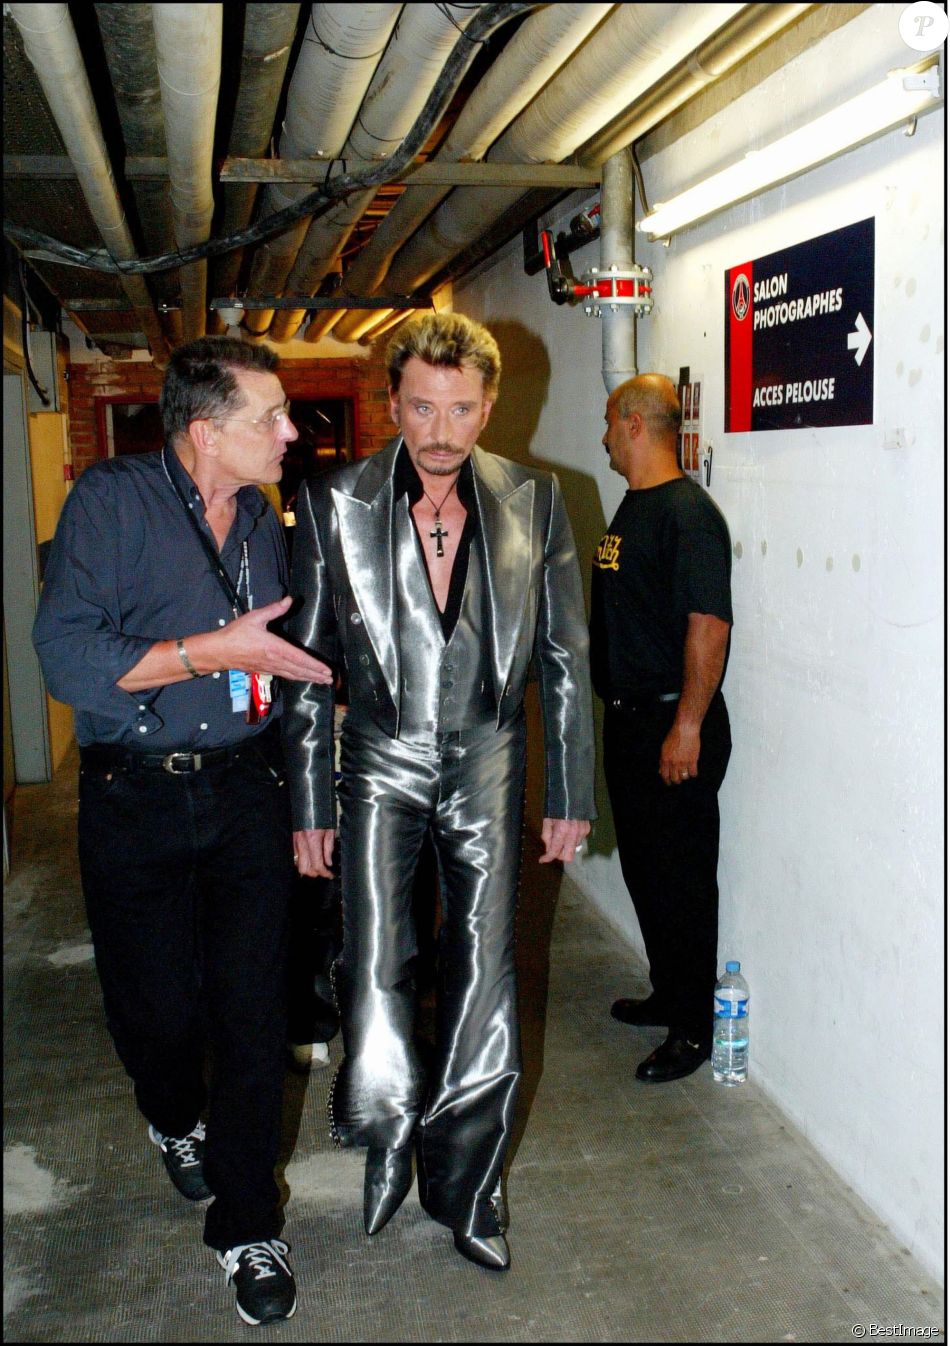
[(308, 173), (432, 174), (336, 301)]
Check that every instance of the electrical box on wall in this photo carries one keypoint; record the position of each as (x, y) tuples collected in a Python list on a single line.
[(48, 363), (695, 453)]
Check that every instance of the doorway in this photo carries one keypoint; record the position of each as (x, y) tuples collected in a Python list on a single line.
[(324, 440)]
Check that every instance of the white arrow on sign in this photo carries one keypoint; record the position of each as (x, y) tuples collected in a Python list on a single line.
[(859, 339)]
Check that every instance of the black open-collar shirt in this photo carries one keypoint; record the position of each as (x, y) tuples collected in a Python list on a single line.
[(406, 481), (126, 570)]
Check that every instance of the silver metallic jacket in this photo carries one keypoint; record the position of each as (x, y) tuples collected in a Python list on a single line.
[(344, 570)]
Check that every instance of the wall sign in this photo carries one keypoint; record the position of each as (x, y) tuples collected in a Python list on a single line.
[(799, 331)]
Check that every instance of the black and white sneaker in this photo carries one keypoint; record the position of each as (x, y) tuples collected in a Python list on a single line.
[(183, 1157), (263, 1280)]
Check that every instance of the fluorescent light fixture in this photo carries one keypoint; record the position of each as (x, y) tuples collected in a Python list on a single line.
[(903, 95)]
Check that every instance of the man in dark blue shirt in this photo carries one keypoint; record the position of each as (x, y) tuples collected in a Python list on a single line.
[(165, 573), (661, 615)]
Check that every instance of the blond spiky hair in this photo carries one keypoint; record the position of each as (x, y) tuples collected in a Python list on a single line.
[(448, 339)]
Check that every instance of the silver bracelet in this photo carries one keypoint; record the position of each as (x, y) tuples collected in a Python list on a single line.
[(183, 656)]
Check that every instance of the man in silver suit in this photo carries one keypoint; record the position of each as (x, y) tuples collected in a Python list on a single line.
[(433, 576)]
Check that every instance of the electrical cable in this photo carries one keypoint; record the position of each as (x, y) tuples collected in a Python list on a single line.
[(342, 55), (41, 392), (639, 177), (446, 11), (317, 202)]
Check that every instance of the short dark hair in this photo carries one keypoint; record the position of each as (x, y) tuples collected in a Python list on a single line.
[(200, 382)]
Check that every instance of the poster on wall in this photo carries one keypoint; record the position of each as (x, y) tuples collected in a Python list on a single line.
[(799, 332)]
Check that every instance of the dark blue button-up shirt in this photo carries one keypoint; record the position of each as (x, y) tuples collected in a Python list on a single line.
[(126, 570)]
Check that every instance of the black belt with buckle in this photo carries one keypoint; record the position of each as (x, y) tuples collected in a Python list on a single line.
[(634, 701), (176, 763)]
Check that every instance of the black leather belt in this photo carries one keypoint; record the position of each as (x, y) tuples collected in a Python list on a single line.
[(634, 701), (176, 763)]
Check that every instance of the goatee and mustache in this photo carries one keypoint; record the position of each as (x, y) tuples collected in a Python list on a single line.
[(442, 469)]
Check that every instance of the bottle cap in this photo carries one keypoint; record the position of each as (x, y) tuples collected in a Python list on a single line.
[(733, 967)]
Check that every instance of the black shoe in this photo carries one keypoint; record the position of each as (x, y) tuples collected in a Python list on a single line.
[(184, 1157), (491, 1253), (679, 1055), (386, 1184), (642, 1013), (263, 1280)]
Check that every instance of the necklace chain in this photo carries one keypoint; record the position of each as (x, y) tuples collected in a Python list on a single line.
[(438, 507)]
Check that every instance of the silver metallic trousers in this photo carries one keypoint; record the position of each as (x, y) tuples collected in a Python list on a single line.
[(468, 788)]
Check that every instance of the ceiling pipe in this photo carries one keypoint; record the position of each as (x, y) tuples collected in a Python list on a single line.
[(397, 316), (128, 40), (342, 49), (627, 54), (387, 329), (322, 323), (737, 38), (369, 321), (188, 46), (49, 40), (536, 52), (268, 36), (411, 65)]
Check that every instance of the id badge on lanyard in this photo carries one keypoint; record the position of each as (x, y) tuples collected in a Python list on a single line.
[(250, 692)]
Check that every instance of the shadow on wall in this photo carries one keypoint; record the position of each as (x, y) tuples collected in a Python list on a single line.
[(525, 382)]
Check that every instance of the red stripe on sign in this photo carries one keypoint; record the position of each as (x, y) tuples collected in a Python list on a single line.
[(740, 348)]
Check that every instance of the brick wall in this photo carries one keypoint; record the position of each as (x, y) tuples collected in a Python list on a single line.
[(105, 378), (364, 380)]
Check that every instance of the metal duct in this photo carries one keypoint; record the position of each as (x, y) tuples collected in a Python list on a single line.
[(128, 39), (188, 46), (736, 39), (411, 65), (371, 333), (339, 56), (618, 330), (268, 35), (536, 52), (630, 51), (50, 43)]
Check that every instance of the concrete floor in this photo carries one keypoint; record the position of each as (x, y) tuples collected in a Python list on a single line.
[(685, 1212)]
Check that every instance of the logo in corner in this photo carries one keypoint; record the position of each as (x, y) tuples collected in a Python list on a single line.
[(923, 26), (741, 296)]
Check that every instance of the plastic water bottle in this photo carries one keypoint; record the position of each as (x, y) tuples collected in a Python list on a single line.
[(730, 1053)]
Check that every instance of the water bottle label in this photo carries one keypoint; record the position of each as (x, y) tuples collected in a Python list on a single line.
[(731, 1009)]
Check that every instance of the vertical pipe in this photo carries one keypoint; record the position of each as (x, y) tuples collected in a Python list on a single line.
[(616, 250)]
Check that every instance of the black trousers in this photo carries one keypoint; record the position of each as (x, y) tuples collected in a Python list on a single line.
[(316, 937), (668, 840), (187, 880)]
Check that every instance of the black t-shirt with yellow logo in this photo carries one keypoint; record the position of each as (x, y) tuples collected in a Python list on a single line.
[(666, 553)]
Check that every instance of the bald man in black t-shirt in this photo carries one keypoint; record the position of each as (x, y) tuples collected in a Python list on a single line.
[(661, 616)]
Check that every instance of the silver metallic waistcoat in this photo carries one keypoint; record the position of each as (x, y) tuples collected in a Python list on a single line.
[(446, 686)]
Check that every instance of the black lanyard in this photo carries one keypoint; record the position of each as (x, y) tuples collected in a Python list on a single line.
[(222, 576)]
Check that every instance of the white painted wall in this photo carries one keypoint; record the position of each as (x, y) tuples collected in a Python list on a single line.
[(832, 856)]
